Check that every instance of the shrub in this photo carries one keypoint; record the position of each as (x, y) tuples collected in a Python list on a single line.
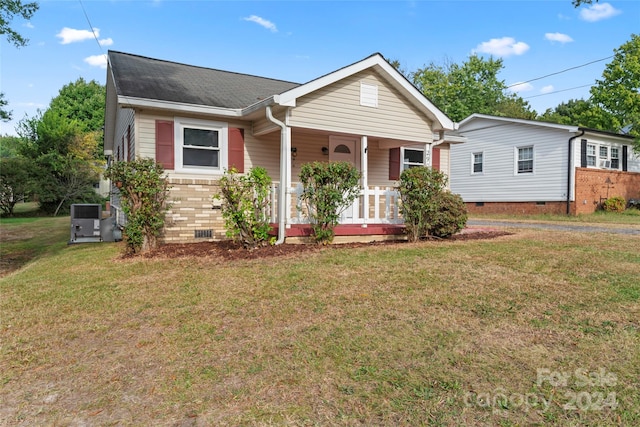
[(143, 192), (329, 189), (614, 204), (426, 207), (244, 210), (450, 216)]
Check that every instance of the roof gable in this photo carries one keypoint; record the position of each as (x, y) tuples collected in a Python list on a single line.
[(385, 70)]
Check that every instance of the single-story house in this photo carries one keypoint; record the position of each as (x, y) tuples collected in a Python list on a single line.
[(516, 166), (198, 122)]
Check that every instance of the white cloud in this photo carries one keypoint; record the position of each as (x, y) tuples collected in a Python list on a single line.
[(97, 61), (547, 89), (521, 87), (506, 46), (69, 35), (106, 42), (28, 24), (598, 12), (262, 22), (31, 104), (558, 37)]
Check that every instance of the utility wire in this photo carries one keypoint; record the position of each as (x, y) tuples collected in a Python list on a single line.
[(91, 26), (560, 72), (556, 91)]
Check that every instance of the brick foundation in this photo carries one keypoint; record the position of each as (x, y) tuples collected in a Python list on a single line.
[(192, 211), (517, 208), (595, 185)]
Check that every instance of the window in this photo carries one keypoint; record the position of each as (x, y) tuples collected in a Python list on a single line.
[(615, 158), (201, 146), (591, 155), (477, 162), (412, 158), (525, 160), (604, 152)]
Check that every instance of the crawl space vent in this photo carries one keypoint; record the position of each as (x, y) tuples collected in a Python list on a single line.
[(203, 234)]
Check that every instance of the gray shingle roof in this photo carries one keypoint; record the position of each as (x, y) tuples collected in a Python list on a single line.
[(148, 78)]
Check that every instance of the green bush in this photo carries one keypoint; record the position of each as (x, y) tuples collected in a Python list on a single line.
[(427, 207), (450, 216), (614, 204), (246, 198), (329, 189), (143, 192)]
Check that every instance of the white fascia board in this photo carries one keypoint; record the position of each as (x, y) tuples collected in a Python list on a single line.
[(258, 105), (127, 101), (289, 98), (568, 128)]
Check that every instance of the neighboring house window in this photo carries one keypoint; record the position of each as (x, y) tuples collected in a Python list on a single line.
[(477, 162), (525, 160), (412, 158), (604, 157), (201, 146), (591, 155), (615, 158)]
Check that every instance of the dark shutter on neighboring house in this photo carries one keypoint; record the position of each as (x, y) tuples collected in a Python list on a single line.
[(435, 158), (164, 144), (583, 153), (394, 164), (625, 154), (236, 149), (128, 149)]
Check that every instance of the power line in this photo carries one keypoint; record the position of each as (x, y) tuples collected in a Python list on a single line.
[(560, 72), (557, 91), (90, 26)]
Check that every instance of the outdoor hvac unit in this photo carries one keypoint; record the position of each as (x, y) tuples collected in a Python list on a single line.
[(85, 223)]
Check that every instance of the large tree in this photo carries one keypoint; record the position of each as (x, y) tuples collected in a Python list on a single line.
[(471, 87), (8, 10), (618, 92), (580, 112)]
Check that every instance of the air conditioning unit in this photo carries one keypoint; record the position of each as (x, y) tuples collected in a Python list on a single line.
[(85, 223), (605, 164)]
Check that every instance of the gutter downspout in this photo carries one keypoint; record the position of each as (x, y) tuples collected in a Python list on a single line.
[(569, 170), (282, 200)]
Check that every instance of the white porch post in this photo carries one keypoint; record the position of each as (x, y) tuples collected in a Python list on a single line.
[(287, 186), (364, 166)]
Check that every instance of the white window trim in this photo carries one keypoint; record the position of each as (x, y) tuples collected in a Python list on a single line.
[(406, 165), (515, 163), (618, 150), (473, 159), (179, 124), (595, 155)]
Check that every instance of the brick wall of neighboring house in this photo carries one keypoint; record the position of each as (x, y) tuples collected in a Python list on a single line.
[(595, 185), (192, 211), (514, 208)]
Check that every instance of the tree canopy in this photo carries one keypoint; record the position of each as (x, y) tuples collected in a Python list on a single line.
[(8, 10), (471, 87)]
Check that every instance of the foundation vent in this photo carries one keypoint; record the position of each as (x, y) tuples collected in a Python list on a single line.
[(203, 234)]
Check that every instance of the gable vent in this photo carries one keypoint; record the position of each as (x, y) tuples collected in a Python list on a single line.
[(203, 234), (368, 95)]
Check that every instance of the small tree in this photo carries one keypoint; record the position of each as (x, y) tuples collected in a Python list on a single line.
[(143, 191), (244, 210), (15, 182), (427, 208), (329, 189)]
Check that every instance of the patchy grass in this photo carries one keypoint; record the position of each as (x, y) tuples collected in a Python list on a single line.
[(533, 328), (627, 217)]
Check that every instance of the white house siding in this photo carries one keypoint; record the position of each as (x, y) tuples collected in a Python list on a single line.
[(337, 108), (499, 181)]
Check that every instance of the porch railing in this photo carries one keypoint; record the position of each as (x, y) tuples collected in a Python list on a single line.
[(374, 205)]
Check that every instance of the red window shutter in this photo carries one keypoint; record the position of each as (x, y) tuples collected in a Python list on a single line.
[(435, 158), (236, 149), (164, 144), (394, 164)]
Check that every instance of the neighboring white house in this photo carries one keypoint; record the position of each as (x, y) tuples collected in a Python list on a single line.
[(524, 166)]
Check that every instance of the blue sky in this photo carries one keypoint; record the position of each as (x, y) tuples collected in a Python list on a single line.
[(301, 40)]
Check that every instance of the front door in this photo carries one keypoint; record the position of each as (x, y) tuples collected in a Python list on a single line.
[(345, 149)]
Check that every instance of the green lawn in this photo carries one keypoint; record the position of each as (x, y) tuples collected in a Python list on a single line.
[(532, 328)]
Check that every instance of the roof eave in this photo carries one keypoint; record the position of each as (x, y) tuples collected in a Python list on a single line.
[(134, 102)]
